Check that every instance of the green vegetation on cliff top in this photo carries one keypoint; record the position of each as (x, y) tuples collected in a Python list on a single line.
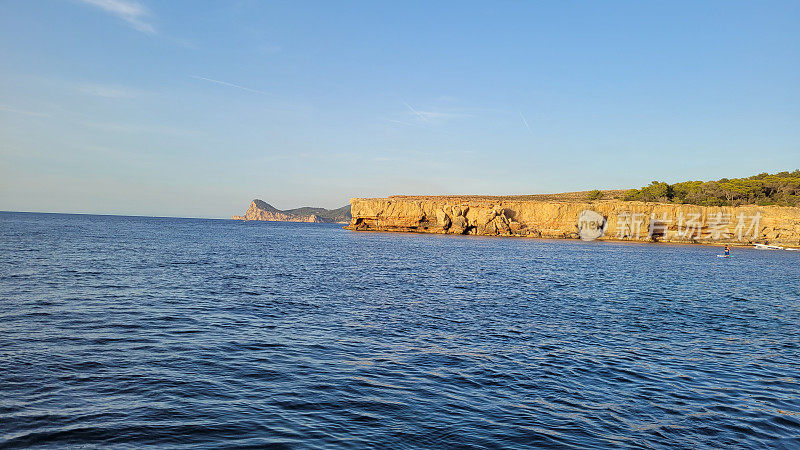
[(763, 189)]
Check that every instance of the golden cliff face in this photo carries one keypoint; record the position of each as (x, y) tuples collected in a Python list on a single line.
[(610, 219)]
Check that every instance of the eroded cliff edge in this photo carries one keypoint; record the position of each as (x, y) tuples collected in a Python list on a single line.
[(621, 220)]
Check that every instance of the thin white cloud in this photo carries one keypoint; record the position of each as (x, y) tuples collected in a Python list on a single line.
[(433, 115), (137, 128), (446, 99), (108, 91), (401, 122), (8, 109), (132, 12), (524, 121), (225, 83)]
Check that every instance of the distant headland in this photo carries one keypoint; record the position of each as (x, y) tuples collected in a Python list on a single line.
[(261, 210), (762, 209)]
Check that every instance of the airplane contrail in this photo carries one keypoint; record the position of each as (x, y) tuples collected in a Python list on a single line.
[(415, 112), (225, 83), (525, 121)]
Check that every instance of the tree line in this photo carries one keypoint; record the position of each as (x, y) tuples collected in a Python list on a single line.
[(763, 189)]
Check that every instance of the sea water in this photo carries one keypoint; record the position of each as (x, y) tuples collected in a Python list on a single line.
[(132, 331)]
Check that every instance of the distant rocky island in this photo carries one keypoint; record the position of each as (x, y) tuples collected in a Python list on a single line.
[(261, 210)]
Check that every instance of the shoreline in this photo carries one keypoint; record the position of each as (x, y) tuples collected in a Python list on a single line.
[(556, 239)]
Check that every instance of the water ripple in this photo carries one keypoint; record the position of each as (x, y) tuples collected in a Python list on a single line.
[(130, 332)]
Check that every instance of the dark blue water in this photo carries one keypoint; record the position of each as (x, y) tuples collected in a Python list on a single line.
[(126, 331)]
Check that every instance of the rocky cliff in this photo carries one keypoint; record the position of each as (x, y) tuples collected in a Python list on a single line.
[(261, 210), (602, 219)]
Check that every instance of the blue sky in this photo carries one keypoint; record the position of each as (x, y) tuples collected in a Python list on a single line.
[(195, 108)]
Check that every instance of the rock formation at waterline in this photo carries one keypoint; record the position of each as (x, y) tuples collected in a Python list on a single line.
[(608, 219)]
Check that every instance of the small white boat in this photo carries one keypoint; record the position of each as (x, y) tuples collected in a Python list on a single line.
[(767, 247), (793, 249)]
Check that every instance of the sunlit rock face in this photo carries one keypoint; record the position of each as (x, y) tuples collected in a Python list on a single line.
[(602, 219)]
